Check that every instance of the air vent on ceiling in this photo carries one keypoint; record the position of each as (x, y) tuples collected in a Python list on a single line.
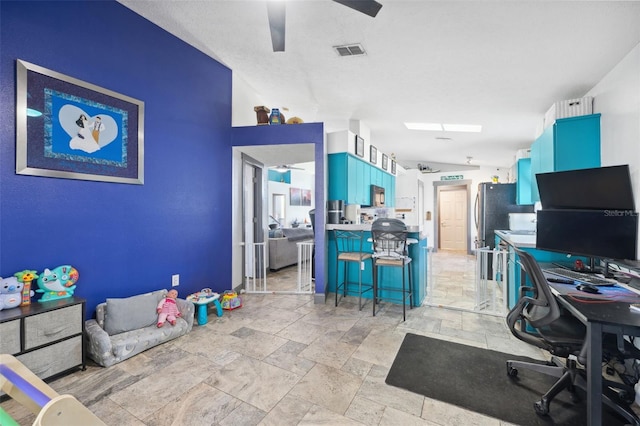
[(350, 50)]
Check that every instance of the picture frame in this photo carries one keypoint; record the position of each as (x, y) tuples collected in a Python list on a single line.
[(68, 128), (373, 154), (359, 146), (393, 167), (306, 197), (295, 197), (385, 162)]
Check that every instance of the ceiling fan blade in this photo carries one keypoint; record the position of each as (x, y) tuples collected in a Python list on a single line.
[(276, 12), (368, 7)]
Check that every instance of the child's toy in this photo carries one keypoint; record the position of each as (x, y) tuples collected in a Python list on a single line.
[(168, 309), (231, 300), (10, 293), (58, 283), (21, 384), (26, 277), (202, 299)]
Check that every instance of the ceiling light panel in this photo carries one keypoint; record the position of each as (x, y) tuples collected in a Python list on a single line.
[(424, 126), (473, 128)]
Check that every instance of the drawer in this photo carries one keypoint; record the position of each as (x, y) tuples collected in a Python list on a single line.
[(51, 326), (10, 340), (54, 359)]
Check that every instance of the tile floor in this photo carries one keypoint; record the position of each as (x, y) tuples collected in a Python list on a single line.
[(282, 360)]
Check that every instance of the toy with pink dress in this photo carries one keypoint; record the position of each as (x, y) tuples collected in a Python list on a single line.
[(168, 309)]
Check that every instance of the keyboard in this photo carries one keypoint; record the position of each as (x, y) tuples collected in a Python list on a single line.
[(580, 276)]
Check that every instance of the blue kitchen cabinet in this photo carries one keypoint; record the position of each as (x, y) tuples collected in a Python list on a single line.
[(571, 143), (523, 183), (350, 179)]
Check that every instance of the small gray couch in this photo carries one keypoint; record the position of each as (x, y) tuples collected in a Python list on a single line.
[(127, 326)]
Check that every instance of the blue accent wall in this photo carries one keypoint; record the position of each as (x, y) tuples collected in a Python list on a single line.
[(123, 239)]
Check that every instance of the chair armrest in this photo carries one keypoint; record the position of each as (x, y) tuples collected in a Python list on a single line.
[(188, 311), (98, 343)]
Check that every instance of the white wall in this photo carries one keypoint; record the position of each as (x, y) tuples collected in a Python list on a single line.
[(299, 179), (617, 98)]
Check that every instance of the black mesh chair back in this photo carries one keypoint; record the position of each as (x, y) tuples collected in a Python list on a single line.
[(389, 239)]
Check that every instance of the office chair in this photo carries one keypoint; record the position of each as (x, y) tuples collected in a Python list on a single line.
[(390, 249), (539, 321)]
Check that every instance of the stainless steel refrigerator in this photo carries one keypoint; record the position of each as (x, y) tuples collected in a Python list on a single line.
[(494, 202)]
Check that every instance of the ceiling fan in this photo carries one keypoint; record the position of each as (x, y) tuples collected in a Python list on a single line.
[(426, 169), (285, 167), (276, 12)]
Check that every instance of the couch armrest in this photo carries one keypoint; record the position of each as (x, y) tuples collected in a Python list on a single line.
[(99, 345), (188, 311)]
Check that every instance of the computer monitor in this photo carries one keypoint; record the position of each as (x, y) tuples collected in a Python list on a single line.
[(599, 188), (603, 234)]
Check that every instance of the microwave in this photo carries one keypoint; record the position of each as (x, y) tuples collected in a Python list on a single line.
[(377, 196)]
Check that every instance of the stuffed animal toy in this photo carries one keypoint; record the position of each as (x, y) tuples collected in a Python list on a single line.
[(10, 293), (168, 309)]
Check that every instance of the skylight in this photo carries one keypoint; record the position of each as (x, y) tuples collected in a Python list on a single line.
[(437, 127)]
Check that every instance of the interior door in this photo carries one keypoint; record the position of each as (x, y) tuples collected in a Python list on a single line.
[(453, 220)]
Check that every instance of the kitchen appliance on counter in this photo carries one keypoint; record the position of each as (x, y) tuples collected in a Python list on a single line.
[(494, 202), (352, 213), (522, 222), (335, 211)]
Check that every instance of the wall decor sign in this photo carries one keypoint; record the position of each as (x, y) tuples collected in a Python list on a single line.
[(359, 146), (373, 154), (385, 162), (68, 128)]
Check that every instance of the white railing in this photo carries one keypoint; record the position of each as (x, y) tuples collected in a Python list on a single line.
[(255, 267), (491, 281), (305, 267)]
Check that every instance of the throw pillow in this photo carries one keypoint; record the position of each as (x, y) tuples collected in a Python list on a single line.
[(131, 313)]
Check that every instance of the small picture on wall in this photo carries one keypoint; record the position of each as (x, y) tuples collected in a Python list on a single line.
[(393, 167), (373, 154), (359, 146), (295, 196), (385, 161), (306, 197)]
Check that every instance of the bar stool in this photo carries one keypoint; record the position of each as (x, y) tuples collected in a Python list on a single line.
[(390, 249), (350, 250)]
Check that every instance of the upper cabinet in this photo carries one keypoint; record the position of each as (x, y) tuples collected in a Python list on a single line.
[(523, 183), (571, 143), (350, 179)]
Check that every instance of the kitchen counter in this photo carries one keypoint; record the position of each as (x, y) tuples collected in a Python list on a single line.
[(362, 227), (518, 238)]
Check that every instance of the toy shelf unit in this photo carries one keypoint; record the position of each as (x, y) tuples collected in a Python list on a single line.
[(48, 337)]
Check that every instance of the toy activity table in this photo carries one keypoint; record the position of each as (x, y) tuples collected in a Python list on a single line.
[(202, 302)]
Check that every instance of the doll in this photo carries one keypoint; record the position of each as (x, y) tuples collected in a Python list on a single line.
[(168, 309)]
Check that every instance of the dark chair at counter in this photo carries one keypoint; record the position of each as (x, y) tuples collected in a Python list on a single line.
[(390, 249), (350, 250)]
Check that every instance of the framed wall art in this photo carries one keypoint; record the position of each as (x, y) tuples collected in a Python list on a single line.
[(393, 167), (295, 196), (385, 162), (68, 128), (359, 146), (373, 154)]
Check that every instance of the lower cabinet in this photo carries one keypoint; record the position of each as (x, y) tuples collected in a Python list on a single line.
[(46, 337)]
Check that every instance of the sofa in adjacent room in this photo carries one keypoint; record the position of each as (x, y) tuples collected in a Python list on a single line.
[(283, 246), (127, 326)]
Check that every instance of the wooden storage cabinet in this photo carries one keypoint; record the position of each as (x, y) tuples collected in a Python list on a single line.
[(46, 337)]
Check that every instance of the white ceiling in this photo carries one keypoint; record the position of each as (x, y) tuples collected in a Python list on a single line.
[(500, 64)]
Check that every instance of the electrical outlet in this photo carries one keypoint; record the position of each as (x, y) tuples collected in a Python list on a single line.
[(175, 280)]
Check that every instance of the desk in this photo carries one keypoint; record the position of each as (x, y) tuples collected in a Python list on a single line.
[(613, 317)]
